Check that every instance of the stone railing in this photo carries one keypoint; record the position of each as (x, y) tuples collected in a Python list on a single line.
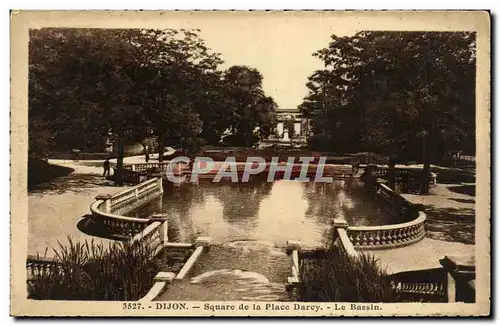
[(140, 172), (293, 248), (402, 175), (41, 266), (140, 167), (393, 235), (388, 236), (341, 239), (155, 235), (162, 279), (453, 282), (427, 285), (109, 211)]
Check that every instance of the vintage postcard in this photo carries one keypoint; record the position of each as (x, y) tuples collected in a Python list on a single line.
[(250, 163)]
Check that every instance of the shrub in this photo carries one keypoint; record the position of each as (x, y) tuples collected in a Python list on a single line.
[(335, 277), (93, 272)]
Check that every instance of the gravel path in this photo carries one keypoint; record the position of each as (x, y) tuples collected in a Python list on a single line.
[(450, 227), (58, 209)]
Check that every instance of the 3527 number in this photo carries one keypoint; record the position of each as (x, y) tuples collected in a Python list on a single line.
[(131, 305)]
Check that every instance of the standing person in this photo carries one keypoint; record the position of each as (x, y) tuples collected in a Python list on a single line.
[(147, 157), (106, 167)]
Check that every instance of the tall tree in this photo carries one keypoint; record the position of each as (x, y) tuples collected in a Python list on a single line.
[(248, 107), (395, 91)]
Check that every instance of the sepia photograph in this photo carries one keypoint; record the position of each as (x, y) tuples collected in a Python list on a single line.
[(287, 163)]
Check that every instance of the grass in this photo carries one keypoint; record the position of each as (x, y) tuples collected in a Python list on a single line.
[(90, 271), (337, 278)]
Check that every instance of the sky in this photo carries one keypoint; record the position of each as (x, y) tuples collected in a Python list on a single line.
[(280, 50), (279, 46)]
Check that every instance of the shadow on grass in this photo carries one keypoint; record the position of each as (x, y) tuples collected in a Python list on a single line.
[(464, 201), (448, 176), (450, 224), (72, 182), (40, 172), (89, 227), (469, 190)]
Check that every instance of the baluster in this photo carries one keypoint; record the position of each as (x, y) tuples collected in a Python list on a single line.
[(382, 237), (390, 236), (404, 234), (376, 240), (371, 239), (364, 238), (398, 236)]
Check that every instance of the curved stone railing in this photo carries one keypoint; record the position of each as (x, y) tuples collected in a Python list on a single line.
[(383, 236), (393, 235), (110, 210), (388, 236)]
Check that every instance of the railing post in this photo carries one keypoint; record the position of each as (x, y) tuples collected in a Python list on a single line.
[(159, 183), (133, 167), (164, 232), (338, 224), (460, 276), (163, 228), (292, 248), (107, 201)]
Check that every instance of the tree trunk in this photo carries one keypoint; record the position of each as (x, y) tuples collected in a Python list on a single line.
[(161, 144), (391, 174), (424, 180), (119, 162)]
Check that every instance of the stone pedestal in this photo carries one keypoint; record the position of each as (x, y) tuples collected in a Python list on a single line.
[(285, 136)]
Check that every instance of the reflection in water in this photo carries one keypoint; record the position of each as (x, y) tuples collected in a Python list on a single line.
[(275, 212)]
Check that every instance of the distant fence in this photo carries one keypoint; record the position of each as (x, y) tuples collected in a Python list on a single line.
[(410, 179), (139, 172)]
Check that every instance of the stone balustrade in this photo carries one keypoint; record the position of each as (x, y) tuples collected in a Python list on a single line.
[(110, 211), (140, 167), (155, 236), (341, 239), (427, 285), (393, 235), (401, 174), (388, 236), (41, 266), (450, 283)]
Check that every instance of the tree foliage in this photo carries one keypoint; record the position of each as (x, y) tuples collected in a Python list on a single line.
[(383, 89), (395, 92), (84, 83)]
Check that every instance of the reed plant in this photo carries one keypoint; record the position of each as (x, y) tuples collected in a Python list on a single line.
[(92, 271), (335, 277)]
